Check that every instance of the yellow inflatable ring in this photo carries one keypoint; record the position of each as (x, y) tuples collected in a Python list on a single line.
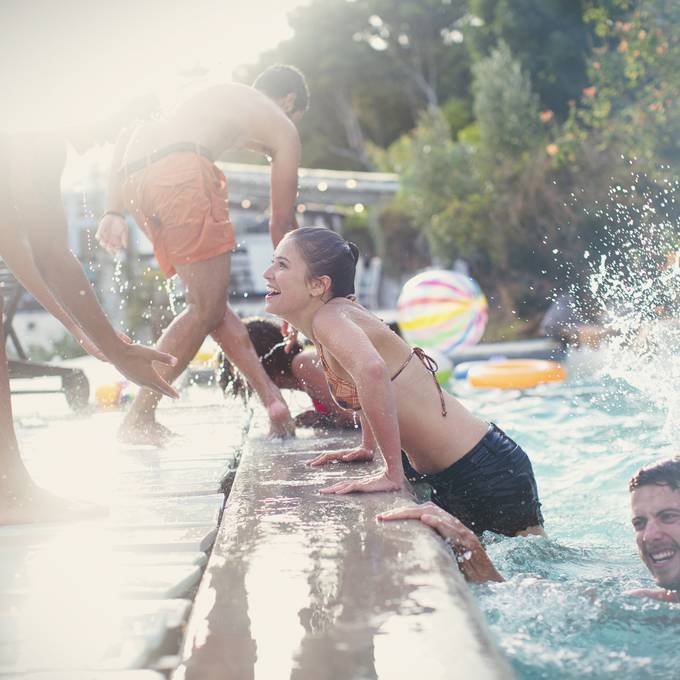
[(516, 373)]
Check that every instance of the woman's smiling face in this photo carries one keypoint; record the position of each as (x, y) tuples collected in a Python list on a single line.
[(288, 283)]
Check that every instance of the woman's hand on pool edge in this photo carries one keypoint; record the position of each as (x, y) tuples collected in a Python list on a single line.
[(370, 484), (345, 456)]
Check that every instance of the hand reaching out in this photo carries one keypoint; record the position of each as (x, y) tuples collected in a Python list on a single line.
[(135, 363)]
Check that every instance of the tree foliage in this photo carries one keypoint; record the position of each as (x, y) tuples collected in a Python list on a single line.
[(372, 66), (509, 122)]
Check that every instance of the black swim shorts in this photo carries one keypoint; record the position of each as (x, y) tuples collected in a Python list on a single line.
[(491, 488)]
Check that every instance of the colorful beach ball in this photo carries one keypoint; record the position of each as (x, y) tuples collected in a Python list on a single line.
[(442, 310)]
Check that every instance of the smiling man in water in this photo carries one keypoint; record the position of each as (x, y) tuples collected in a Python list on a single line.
[(655, 505)]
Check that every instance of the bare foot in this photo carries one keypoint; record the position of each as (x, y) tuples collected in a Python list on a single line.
[(147, 432), (281, 424), (29, 504)]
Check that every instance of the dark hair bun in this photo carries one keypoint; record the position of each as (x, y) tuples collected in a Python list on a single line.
[(354, 249), (325, 254)]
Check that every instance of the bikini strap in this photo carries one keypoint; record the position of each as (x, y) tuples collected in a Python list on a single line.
[(404, 365), (323, 358), (431, 365)]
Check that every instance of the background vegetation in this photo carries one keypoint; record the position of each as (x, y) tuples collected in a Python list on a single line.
[(519, 128)]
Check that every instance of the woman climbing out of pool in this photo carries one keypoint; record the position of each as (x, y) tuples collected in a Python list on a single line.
[(476, 472)]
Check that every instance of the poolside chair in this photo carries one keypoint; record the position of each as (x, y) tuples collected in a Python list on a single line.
[(74, 384)]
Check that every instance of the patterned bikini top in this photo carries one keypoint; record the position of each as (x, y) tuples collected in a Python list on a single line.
[(344, 392)]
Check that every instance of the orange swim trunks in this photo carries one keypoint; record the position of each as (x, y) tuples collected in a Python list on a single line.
[(180, 202)]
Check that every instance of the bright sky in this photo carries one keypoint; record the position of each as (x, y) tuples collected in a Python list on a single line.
[(64, 59)]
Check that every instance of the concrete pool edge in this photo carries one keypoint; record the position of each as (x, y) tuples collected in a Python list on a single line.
[(307, 586)]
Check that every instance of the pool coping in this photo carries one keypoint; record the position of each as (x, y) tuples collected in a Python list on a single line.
[(315, 587)]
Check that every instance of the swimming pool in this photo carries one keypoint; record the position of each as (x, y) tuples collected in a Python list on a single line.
[(562, 612)]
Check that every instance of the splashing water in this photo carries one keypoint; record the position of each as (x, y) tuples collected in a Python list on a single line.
[(172, 295), (635, 288)]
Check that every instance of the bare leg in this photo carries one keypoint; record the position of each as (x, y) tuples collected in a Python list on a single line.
[(206, 283), (232, 337), (21, 501), (207, 288)]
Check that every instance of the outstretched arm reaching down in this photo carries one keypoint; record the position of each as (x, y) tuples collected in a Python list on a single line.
[(35, 182)]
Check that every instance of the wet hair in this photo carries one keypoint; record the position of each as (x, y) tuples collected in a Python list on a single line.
[(279, 80), (664, 473), (328, 254), (268, 343)]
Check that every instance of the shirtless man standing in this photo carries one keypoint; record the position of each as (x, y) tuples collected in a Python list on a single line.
[(164, 174)]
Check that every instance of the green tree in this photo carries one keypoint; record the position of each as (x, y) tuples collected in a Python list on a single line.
[(372, 66), (548, 37), (635, 77), (506, 108)]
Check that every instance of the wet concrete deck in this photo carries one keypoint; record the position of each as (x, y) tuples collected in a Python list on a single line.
[(312, 587), (107, 599), (299, 585)]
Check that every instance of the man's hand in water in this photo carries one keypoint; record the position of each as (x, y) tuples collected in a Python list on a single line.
[(372, 483), (472, 558), (134, 362), (112, 233), (344, 456), (655, 594)]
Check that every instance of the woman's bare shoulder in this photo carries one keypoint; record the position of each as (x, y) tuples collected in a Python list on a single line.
[(342, 317), (329, 316)]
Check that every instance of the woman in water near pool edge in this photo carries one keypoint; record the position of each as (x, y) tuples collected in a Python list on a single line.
[(476, 471)]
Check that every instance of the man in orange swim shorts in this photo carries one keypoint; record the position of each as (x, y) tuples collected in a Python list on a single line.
[(163, 174)]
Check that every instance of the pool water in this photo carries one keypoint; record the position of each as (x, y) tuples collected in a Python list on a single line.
[(562, 612)]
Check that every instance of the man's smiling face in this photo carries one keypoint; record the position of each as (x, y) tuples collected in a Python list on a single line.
[(656, 520)]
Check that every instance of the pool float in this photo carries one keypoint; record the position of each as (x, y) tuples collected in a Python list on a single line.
[(516, 373), (461, 370)]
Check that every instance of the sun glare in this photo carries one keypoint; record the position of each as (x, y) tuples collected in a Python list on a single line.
[(65, 63)]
